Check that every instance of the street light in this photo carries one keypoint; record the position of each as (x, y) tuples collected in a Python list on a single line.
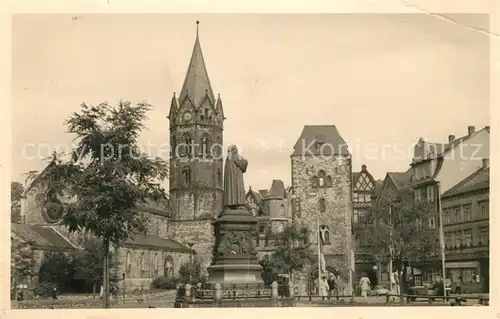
[(190, 244)]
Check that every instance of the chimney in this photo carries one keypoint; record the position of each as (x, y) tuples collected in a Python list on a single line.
[(486, 162), (471, 130), (451, 138)]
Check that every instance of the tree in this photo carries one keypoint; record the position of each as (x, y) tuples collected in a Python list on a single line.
[(22, 261), (16, 194), (57, 270), (107, 176), (292, 249), (403, 224), (191, 271), (88, 262)]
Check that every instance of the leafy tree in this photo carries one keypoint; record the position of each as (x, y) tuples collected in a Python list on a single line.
[(293, 251), (16, 193), (22, 261), (88, 262), (107, 176), (57, 269), (404, 225), (191, 272)]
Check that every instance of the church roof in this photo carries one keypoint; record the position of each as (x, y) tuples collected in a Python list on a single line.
[(333, 142), (42, 237), (156, 242), (196, 83)]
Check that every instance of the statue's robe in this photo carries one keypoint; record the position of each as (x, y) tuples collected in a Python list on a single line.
[(234, 188)]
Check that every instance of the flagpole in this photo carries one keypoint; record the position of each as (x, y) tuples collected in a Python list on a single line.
[(441, 236), (319, 256)]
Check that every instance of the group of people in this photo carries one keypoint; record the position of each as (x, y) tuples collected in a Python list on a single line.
[(329, 287)]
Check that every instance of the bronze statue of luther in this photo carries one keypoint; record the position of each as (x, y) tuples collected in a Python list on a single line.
[(234, 188)]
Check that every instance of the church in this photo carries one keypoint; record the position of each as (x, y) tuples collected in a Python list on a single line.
[(320, 195)]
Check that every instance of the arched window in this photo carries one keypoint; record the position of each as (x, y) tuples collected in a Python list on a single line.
[(128, 263), (168, 267), (205, 145), (187, 140), (186, 172), (324, 232), (321, 178), (322, 205), (282, 210), (219, 177)]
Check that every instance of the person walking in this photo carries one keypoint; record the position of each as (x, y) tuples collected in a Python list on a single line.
[(332, 284), (54, 293), (323, 288), (364, 284), (458, 288)]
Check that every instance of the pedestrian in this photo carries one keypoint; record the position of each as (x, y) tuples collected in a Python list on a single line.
[(101, 292), (332, 284), (458, 288), (323, 288), (394, 286), (364, 284), (54, 293)]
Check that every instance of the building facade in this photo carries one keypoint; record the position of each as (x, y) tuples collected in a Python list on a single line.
[(273, 209), (322, 187), (466, 231), (436, 167), (364, 192)]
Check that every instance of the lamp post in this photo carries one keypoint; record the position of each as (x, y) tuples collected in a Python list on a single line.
[(190, 244)]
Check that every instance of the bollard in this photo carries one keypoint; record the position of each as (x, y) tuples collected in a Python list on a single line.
[(218, 294), (274, 293)]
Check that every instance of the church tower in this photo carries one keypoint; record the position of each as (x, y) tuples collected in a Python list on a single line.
[(196, 158)]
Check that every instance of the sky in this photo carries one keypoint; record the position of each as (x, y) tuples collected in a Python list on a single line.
[(383, 80)]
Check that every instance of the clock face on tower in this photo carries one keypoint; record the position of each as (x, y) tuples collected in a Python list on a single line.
[(187, 116)]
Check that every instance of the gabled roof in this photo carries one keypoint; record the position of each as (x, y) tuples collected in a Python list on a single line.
[(378, 188), (196, 83), (357, 175), (333, 142), (258, 198), (478, 180), (400, 179), (42, 237), (153, 241)]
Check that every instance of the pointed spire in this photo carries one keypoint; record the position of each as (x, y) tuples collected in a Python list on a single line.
[(196, 81), (173, 107), (218, 107)]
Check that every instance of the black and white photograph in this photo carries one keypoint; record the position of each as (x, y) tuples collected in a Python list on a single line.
[(250, 160)]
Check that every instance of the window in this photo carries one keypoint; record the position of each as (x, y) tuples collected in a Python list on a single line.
[(128, 263), (458, 238), (280, 228), (430, 193), (154, 266), (432, 222), (355, 215), (483, 212), (157, 226), (362, 216), (187, 175), (367, 198), (448, 240), (322, 205), (467, 237), (142, 264), (324, 234), (330, 182), (446, 216), (468, 275), (457, 214), (417, 195), (205, 146), (355, 197), (484, 236), (282, 210), (188, 145), (314, 182), (321, 178), (467, 210), (168, 267), (262, 229)]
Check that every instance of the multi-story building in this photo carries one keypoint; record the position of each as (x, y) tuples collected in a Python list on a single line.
[(322, 187), (273, 209), (364, 191), (466, 230), (436, 167)]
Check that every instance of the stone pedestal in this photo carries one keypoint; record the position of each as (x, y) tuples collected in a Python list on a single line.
[(234, 261)]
